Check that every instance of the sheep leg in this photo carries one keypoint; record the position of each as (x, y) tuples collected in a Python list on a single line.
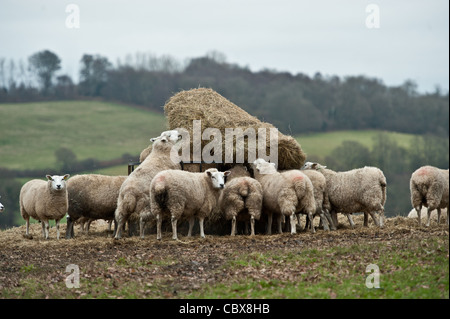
[(439, 215), (350, 220), (43, 228), (447, 215), (69, 228), (252, 225), (375, 220), (293, 223), (174, 227), (330, 220), (382, 217), (419, 211), (119, 226), (269, 224), (233, 226), (324, 221), (141, 226), (191, 226), (366, 220), (57, 228), (307, 222), (202, 231), (158, 226), (88, 225), (335, 219), (428, 217), (299, 221), (27, 233), (311, 219), (280, 220), (46, 228)]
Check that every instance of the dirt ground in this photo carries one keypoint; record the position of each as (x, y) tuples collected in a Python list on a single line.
[(172, 267)]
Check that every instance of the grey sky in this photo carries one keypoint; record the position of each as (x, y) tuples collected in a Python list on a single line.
[(327, 36)]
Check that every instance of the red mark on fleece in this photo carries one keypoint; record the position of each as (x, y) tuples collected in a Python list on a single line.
[(161, 178), (423, 171), (297, 178)]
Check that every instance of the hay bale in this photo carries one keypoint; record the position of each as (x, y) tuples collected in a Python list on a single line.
[(215, 111)]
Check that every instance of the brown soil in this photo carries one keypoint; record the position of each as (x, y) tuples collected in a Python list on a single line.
[(177, 266)]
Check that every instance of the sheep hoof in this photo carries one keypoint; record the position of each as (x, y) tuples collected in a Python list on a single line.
[(28, 236)]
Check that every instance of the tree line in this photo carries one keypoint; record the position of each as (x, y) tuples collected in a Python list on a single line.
[(294, 103)]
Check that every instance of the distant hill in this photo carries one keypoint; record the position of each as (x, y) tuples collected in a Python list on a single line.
[(31, 133)]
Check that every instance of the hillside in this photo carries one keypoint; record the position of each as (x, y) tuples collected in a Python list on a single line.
[(323, 144), (31, 133)]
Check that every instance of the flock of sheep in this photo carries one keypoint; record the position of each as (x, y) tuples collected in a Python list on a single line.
[(160, 190)]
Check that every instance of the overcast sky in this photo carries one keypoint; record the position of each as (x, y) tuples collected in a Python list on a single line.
[(327, 36)]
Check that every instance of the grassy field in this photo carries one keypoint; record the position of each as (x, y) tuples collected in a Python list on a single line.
[(322, 144), (413, 263), (30, 133)]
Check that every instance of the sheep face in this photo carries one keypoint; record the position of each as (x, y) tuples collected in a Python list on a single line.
[(264, 167), (168, 136), (57, 182), (311, 165), (1, 206), (217, 178)]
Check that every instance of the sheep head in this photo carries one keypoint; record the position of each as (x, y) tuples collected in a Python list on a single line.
[(57, 182), (217, 178), (263, 167)]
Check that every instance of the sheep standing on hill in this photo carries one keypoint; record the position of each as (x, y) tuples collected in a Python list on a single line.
[(182, 194), (134, 192), (1, 206), (358, 190), (44, 200), (429, 187), (92, 196), (241, 198), (284, 194)]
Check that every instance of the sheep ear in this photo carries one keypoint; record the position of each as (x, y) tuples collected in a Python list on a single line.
[(49, 177), (226, 173), (208, 173), (314, 166), (273, 164), (66, 177)]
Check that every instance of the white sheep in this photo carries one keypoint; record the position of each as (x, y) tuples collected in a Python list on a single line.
[(92, 196), (44, 200), (323, 207), (429, 187), (1, 206), (134, 192), (241, 198), (284, 194), (357, 190), (188, 195)]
